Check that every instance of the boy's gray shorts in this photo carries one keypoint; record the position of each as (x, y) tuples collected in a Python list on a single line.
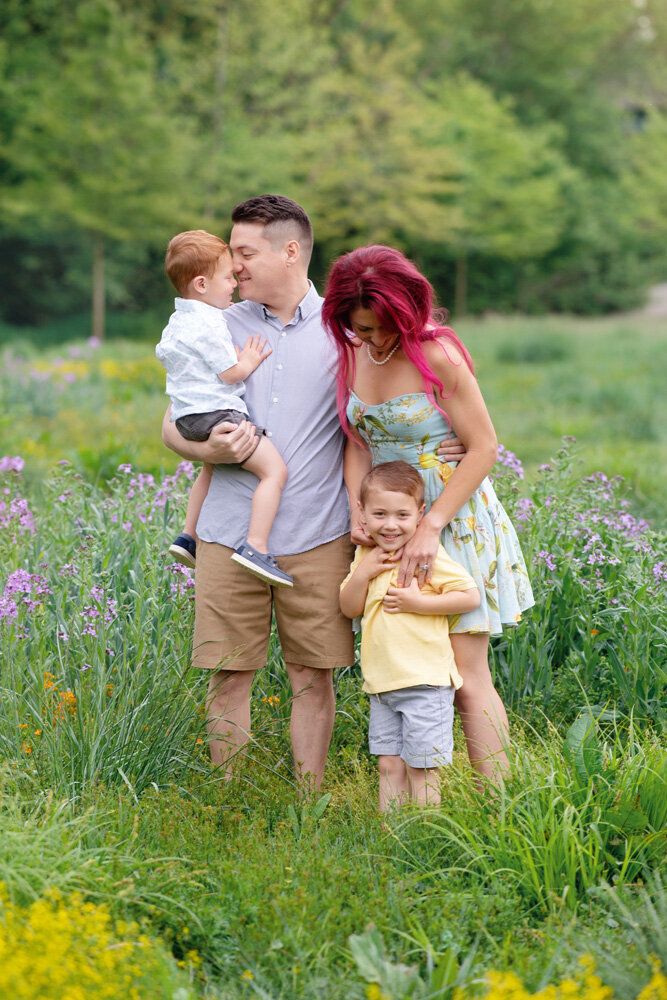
[(413, 723), (198, 426)]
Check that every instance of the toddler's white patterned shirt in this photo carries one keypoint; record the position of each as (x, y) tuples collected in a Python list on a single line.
[(196, 346)]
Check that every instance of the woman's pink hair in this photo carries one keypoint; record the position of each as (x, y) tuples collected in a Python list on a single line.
[(384, 280)]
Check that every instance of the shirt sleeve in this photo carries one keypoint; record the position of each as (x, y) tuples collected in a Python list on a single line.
[(359, 554), (449, 575), (215, 346)]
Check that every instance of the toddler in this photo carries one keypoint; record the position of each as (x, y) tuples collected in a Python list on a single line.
[(406, 655), (205, 375)]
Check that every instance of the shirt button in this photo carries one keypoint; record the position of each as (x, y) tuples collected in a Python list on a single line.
[(280, 368), (283, 334), (275, 399), (269, 434)]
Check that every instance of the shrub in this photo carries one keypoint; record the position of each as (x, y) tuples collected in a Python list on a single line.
[(63, 948)]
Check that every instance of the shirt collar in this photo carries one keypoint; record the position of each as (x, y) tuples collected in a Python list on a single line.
[(309, 303), (195, 306)]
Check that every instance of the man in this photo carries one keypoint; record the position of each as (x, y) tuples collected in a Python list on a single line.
[(292, 397)]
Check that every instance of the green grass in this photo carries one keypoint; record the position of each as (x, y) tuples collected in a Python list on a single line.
[(106, 787), (599, 380)]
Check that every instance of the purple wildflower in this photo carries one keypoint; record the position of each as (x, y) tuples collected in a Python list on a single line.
[(510, 461), (547, 558), (525, 509), (11, 463)]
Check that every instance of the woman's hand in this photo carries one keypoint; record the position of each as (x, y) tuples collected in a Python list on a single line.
[(419, 554)]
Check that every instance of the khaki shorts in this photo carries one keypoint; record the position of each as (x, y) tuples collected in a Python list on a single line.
[(233, 610)]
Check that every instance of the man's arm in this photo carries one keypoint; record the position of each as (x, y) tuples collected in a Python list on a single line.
[(227, 443), (356, 463)]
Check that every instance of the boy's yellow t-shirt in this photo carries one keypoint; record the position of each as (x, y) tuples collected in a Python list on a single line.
[(407, 649)]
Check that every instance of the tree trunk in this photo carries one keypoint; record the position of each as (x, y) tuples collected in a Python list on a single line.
[(461, 287), (98, 286)]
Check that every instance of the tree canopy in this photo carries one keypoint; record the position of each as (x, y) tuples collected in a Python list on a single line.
[(515, 150)]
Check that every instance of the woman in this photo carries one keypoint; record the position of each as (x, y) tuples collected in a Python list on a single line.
[(404, 384)]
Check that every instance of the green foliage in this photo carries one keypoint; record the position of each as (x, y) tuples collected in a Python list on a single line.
[(106, 785), (507, 148), (564, 823), (598, 623), (642, 912)]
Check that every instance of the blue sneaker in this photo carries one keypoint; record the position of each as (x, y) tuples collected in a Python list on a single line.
[(183, 549), (262, 565)]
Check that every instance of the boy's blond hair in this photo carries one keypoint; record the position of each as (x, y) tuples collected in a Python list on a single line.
[(190, 254), (397, 477)]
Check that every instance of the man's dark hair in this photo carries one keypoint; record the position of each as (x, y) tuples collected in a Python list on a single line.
[(282, 219)]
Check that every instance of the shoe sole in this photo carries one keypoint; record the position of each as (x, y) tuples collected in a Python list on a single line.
[(182, 556), (261, 573)]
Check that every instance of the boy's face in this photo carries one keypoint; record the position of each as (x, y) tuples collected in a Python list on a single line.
[(220, 286), (391, 518)]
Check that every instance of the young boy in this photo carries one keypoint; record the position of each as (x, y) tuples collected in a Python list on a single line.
[(406, 655), (205, 375)]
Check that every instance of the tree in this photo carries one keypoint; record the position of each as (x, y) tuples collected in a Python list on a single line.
[(509, 180), (97, 146)]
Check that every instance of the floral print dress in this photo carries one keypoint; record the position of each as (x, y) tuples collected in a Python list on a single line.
[(480, 536)]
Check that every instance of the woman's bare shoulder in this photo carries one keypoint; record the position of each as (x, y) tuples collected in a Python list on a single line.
[(443, 356)]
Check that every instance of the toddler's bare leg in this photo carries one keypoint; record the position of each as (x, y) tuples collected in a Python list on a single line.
[(424, 783), (268, 466), (197, 497), (394, 790)]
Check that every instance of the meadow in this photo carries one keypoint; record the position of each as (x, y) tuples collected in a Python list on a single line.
[(129, 868)]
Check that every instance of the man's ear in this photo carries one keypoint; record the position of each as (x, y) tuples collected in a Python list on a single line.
[(292, 252)]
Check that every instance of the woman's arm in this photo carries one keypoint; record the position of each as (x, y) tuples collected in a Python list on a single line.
[(227, 443), (452, 602), (356, 463), (468, 414)]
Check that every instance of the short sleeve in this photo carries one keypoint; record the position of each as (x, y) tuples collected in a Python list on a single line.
[(361, 551)]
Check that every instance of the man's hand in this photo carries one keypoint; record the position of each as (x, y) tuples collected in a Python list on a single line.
[(452, 449), (398, 599), (253, 353), (357, 529), (230, 443)]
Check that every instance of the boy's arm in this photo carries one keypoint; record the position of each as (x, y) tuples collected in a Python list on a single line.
[(453, 602), (250, 358), (354, 590)]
